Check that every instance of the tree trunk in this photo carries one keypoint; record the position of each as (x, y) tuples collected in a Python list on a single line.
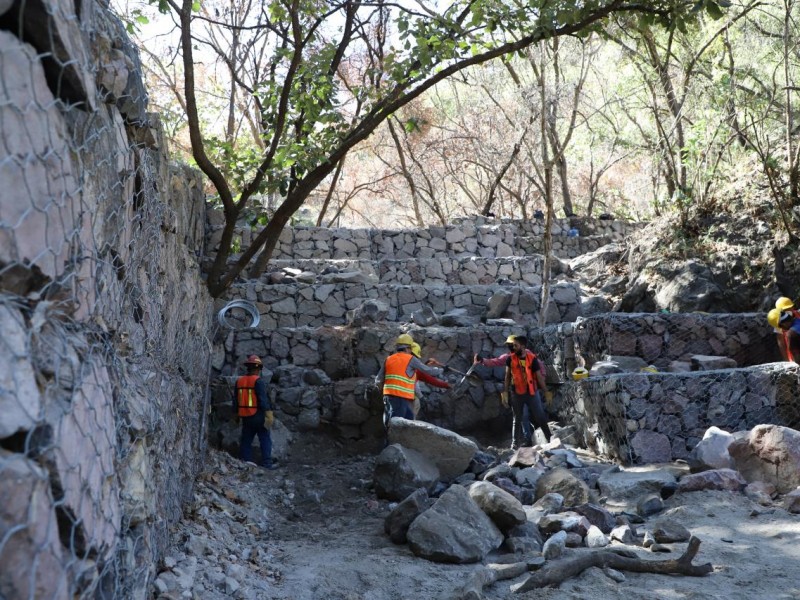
[(548, 199), (560, 571), (336, 174)]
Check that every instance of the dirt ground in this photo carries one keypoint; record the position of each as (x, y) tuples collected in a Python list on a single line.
[(319, 535)]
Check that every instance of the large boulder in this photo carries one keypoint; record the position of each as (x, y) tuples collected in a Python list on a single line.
[(454, 530), (632, 483), (712, 451), (561, 481), (399, 471), (450, 452), (503, 508), (771, 453), (399, 520), (716, 479)]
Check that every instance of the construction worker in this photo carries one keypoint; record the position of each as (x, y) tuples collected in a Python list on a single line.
[(416, 350), (399, 374), (252, 406), (785, 304), (502, 361), (787, 327)]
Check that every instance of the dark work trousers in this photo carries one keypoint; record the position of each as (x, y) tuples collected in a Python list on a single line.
[(537, 414), (401, 407), (252, 427)]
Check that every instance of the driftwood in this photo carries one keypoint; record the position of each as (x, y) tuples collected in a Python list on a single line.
[(562, 570), (479, 580)]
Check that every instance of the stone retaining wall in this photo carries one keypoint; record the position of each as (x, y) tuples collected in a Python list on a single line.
[(438, 271), (468, 237), (659, 417), (103, 313), (328, 302), (660, 339)]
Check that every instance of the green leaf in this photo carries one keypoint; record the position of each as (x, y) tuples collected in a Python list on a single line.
[(714, 11)]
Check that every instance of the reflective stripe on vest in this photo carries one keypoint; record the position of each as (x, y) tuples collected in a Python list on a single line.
[(396, 382), (524, 379), (246, 398)]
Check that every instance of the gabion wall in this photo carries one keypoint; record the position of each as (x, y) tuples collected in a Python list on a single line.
[(475, 236), (103, 353), (328, 302), (659, 417), (668, 339)]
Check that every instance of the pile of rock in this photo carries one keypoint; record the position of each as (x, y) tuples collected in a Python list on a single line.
[(457, 504)]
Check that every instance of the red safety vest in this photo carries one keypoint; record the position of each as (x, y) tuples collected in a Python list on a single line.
[(524, 378), (396, 382), (246, 395)]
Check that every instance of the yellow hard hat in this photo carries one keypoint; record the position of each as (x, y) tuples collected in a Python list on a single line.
[(510, 339), (774, 317), (648, 369), (784, 303), (579, 373), (404, 340), (416, 350)]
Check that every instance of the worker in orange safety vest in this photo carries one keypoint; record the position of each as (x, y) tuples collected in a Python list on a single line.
[(252, 406), (502, 361), (525, 380), (399, 374)]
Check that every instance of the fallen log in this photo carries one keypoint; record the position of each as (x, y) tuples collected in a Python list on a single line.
[(560, 571), (491, 573)]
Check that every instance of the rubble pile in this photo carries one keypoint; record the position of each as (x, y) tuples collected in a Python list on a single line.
[(328, 525)]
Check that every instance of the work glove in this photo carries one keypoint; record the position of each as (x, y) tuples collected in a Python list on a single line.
[(504, 399), (548, 398), (269, 419)]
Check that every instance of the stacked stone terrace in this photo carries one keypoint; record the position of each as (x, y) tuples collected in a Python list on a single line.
[(333, 301), (712, 370)]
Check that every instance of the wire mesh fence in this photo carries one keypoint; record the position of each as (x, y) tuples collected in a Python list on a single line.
[(103, 350), (659, 381)]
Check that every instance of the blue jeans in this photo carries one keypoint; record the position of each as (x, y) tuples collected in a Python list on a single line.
[(401, 407), (252, 427)]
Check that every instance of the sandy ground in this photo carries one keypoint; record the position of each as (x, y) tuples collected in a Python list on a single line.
[(325, 540)]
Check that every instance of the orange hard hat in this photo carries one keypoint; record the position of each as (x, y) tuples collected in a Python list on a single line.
[(253, 360)]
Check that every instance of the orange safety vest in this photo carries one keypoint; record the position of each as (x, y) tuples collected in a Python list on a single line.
[(395, 381), (523, 376), (246, 395)]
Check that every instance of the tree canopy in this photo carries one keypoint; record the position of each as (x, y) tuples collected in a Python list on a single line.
[(313, 78)]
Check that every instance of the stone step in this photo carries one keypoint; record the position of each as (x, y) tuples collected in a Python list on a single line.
[(327, 368), (669, 340), (329, 303), (342, 352), (321, 374), (564, 247), (659, 417), (467, 237), (440, 271)]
